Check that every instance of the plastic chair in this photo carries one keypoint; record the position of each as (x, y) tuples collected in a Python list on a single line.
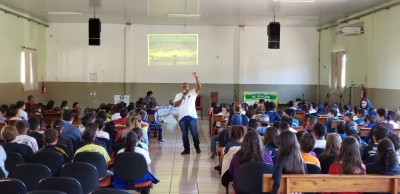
[(249, 178), (12, 186), (318, 151), (85, 173), (313, 169), (110, 191), (53, 160), (130, 173), (63, 184), (47, 192), (13, 159), (119, 147), (108, 144), (94, 158), (97, 160), (31, 174), (39, 142), (326, 163)]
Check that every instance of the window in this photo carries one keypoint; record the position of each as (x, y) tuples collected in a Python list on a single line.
[(29, 70)]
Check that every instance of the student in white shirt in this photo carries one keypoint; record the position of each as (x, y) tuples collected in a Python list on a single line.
[(319, 131), (131, 145), (116, 115), (3, 157), (15, 115), (21, 106), (102, 134), (186, 101), (22, 138)]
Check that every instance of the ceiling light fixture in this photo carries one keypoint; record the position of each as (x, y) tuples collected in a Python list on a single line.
[(179, 15), (303, 17), (296, 1), (65, 13)]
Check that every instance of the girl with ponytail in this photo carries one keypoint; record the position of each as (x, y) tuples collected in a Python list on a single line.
[(388, 163), (383, 119), (131, 145)]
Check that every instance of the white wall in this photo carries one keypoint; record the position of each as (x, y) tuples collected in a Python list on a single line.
[(15, 33), (373, 57), (296, 58), (70, 59)]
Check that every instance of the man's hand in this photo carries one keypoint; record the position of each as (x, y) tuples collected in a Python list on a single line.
[(184, 95), (195, 74)]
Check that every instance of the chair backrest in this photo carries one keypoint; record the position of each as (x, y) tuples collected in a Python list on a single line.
[(326, 163), (46, 192), (119, 147), (11, 122), (249, 178), (130, 172), (39, 142), (85, 173), (75, 145), (63, 184), (110, 191), (318, 151), (12, 186), (108, 144), (94, 158), (13, 159), (313, 169), (150, 118), (31, 174), (53, 160)]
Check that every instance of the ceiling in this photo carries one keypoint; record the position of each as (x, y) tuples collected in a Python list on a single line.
[(213, 12)]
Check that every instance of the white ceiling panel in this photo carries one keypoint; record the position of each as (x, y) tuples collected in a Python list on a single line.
[(214, 12)]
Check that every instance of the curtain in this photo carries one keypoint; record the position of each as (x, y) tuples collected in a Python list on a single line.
[(34, 72), (29, 68), (337, 75)]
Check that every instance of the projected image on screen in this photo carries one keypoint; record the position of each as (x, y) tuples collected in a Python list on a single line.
[(172, 49)]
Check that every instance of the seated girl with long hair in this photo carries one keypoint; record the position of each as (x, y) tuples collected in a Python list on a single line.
[(349, 159), (387, 163), (250, 151), (289, 160), (131, 145)]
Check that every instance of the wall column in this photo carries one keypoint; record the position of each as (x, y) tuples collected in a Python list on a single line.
[(128, 60)]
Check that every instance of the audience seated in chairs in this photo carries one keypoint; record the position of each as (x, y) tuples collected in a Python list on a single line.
[(250, 151), (157, 127), (34, 127), (22, 138), (88, 138), (289, 160), (131, 145), (102, 134), (50, 140), (88, 118), (387, 163), (95, 128), (139, 133), (62, 140), (70, 130), (272, 115), (270, 142), (319, 132), (9, 134), (307, 144), (326, 158)]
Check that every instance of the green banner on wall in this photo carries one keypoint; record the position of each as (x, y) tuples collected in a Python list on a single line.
[(251, 97)]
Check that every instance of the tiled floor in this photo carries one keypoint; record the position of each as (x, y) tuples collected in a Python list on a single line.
[(192, 173)]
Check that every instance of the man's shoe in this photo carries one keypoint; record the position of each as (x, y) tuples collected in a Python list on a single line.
[(218, 168), (214, 155), (186, 151), (198, 150), (160, 141)]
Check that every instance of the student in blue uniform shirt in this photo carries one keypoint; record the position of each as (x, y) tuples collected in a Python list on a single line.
[(360, 116), (370, 120), (332, 117)]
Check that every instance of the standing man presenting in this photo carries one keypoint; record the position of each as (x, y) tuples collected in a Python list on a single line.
[(187, 114)]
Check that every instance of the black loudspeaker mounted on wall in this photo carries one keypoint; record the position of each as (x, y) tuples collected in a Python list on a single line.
[(274, 35), (94, 31)]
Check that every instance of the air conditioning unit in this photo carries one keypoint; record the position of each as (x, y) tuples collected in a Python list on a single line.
[(348, 31)]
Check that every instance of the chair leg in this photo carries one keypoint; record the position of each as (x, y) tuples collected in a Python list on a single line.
[(145, 191)]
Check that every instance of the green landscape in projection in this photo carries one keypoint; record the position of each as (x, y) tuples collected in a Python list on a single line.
[(172, 49)]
